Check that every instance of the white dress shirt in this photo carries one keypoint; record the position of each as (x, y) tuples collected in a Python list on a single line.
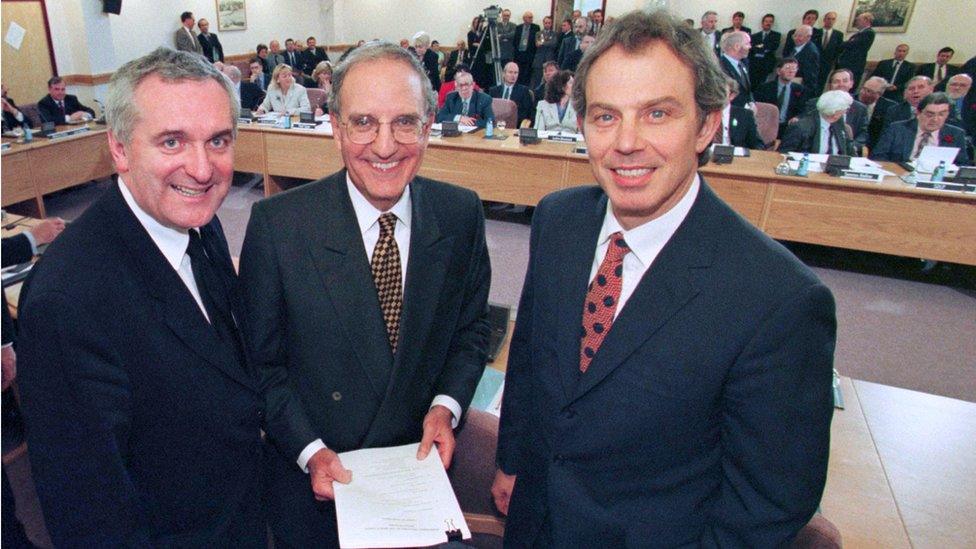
[(645, 242), (368, 217)]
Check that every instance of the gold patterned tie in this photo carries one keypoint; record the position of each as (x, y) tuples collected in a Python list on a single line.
[(385, 265)]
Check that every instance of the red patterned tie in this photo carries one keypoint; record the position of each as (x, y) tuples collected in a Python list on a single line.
[(601, 300)]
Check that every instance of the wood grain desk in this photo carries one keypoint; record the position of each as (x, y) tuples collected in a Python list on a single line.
[(32, 170), (889, 217)]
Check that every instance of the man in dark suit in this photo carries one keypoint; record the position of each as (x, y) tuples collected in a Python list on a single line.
[(783, 92), (312, 56), (466, 106), (738, 126), (511, 89), (762, 54), (709, 31), (617, 429), (822, 132), (872, 95), (903, 141), (963, 98), (292, 57), (572, 43), (857, 113), (248, 93), (60, 107), (735, 49), (258, 77), (12, 117), (917, 89), (807, 55), (209, 42), (737, 19), (525, 46), (853, 53), (809, 19), (897, 71), (144, 419), (941, 71), (574, 57), (367, 298), (830, 41)]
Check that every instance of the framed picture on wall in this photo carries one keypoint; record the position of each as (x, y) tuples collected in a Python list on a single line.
[(889, 15), (231, 15)]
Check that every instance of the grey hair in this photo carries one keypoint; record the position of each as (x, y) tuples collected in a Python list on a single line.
[(880, 79), (732, 39), (121, 112), (707, 13), (834, 101), (421, 39), (232, 72), (637, 30), (375, 51)]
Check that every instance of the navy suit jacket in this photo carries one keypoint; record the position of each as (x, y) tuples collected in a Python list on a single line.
[(897, 140), (762, 56), (16, 249), (877, 122), (51, 113), (769, 93), (853, 53), (743, 131), (928, 69), (816, 37), (479, 108), (251, 95), (886, 69), (145, 429), (704, 418), (745, 86), (809, 70)]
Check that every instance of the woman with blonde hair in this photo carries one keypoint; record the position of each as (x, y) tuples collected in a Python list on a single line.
[(284, 95), (322, 75)]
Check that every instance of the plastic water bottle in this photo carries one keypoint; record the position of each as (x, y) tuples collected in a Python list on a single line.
[(490, 128), (28, 134), (940, 171), (286, 121), (804, 166)]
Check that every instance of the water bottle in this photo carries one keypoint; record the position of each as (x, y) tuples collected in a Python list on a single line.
[(28, 134), (286, 121), (490, 128), (804, 166), (939, 173)]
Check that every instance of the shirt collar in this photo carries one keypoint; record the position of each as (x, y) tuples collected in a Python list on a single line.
[(735, 62), (647, 240), (171, 242), (367, 215)]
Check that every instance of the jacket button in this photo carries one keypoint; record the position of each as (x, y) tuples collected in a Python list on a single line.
[(337, 396)]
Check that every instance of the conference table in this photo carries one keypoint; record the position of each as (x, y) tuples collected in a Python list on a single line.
[(890, 217)]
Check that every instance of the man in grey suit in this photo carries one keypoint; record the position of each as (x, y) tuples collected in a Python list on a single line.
[(366, 296), (506, 37), (184, 38)]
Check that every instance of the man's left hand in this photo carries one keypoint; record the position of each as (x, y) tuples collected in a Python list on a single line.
[(9, 364), (437, 429)]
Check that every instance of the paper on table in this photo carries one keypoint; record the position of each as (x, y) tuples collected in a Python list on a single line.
[(461, 127), (395, 500), (930, 157)]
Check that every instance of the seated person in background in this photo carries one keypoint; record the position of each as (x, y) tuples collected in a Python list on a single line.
[(322, 76), (904, 140), (519, 93), (959, 90), (823, 132), (60, 107), (312, 56), (248, 93), (257, 76), (738, 123), (301, 78), (784, 92), (456, 57), (12, 117), (872, 95), (573, 58), (896, 71), (555, 112), (918, 88), (466, 106), (449, 85), (284, 95), (857, 115), (261, 52), (941, 70), (549, 69)]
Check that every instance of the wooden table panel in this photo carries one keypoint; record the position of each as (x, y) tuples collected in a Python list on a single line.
[(69, 161), (249, 152), (748, 198), (304, 155), (18, 185), (536, 176)]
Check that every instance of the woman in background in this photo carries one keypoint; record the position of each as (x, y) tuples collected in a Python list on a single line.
[(322, 75), (285, 96), (555, 112)]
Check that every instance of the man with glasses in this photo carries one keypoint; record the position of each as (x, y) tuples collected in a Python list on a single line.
[(366, 297), (904, 140), (466, 106)]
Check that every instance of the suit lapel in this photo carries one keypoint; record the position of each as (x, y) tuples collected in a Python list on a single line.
[(338, 253)]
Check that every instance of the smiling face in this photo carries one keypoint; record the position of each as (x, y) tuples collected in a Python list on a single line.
[(841, 80), (643, 134), (385, 90), (787, 72), (58, 91), (179, 162)]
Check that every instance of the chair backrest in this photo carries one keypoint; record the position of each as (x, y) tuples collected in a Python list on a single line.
[(767, 122), (244, 67), (316, 96), (32, 113), (505, 110)]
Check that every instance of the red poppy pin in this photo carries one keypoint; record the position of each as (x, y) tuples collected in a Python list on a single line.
[(948, 138)]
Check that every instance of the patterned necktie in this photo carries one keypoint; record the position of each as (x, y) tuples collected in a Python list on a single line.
[(784, 102), (601, 300), (940, 74), (215, 294), (464, 108), (719, 137), (926, 136), (64, 113), (387, 277)]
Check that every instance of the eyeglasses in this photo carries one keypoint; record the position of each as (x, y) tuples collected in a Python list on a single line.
[(406, 129)]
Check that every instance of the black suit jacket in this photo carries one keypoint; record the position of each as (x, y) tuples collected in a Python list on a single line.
[(886, 69), (898, 139), (762, 56), (526, 56), (251, 95), (769, 93), (745, 85), (567, 46), (903, 111), (571, 61), (853, 53), (479, 108), (15, 250), (804, 136), (664, 441), (816, 37), (51, 113), (828, 54), (10, 121), (312, 57), (211, 47), (432, 68), (809, 70), (743, 131), (319, 340), (522, 96), (744, 29), (877, 122), (144, 427), (928, 69)]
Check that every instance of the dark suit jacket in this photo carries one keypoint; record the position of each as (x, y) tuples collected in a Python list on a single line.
[(876, 124), (768, 93), (522, 96), (856, 118), (298, 61), (665, 441), (212, 49), (10, 121), (566, 47), (15, 250), (432, 68), (816, 37), (903, 111), (312, 57), (744, 29), (571, 61), (745, 86), (854, 53), (320, 342), (479, 108), (968, 113), (51, 113), (886, 69), (928, 69), (526, 56), (804, 136), (743, 131), (809, 59), (762, 56), (144, 426), (828, 54), (251, 95), (897, 140)]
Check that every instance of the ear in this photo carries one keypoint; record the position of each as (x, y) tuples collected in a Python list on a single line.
[(707, 132), (119, 154)]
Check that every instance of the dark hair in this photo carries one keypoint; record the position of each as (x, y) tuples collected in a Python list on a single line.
[(935, 98), (375, 51), (768, 15), (462, 67), (255, 60), (786, 61), (739, 14), (811, 12), (292, 40), (556, 88), (54, 80), (550, 62), (309, 38), (836, 71), (186, 15), (260, 47), (947, 49)]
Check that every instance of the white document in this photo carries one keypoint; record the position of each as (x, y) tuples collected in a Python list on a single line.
[(15, 35), (463, 128), (394, 500), (930, 157)]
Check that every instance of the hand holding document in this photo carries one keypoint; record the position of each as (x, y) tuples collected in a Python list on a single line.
[(396, 500)]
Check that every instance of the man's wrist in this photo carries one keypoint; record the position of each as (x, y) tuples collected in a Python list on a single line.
[(450, 404), (309, 451)]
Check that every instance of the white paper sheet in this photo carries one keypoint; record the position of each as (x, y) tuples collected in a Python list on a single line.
[(15, 35), (930, 157), (394, 500), (436, 126)]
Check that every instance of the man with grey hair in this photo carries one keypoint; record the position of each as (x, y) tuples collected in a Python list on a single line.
[(506, 37), (872, 95), (144, 419), (619, 426), (824, 131), (366, 294), (572, 43), (808, 57), (904, 140), (248, 93), (959, 90), (428, 58), (853, 54), (708, 31), (735, 48)]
